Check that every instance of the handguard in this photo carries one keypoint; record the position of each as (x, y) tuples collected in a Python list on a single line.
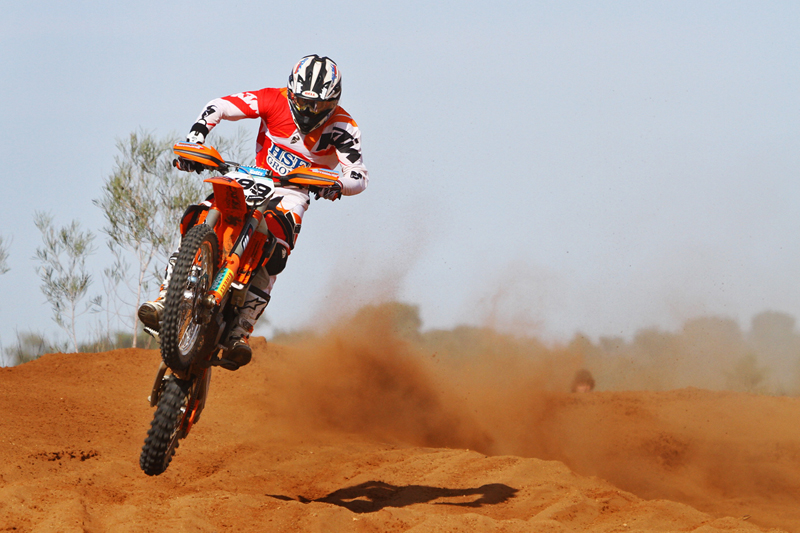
[(311, 177), (199, 153)]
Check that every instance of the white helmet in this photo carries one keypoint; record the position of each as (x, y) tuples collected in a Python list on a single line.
[(314, 88)]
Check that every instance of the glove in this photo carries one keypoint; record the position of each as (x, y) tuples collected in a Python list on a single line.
[(334, 192), (198, 131), (186, 165), (195, 137)]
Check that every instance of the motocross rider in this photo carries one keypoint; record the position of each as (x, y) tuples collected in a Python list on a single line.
[(301, 125)]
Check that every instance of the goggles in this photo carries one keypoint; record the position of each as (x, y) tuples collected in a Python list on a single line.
[(308, 105)]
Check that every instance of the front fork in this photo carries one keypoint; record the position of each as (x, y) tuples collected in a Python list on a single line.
[(219, 288), (158, 385), (230, 271), (197, 395)]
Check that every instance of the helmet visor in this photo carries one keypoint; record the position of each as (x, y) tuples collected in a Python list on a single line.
[(309, 106)]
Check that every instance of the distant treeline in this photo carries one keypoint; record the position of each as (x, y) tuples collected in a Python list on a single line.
[(707, 352)]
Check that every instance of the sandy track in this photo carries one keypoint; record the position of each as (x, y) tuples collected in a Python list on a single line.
[(335, 438)]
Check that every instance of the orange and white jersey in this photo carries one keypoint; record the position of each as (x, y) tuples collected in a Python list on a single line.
[(281, 147)]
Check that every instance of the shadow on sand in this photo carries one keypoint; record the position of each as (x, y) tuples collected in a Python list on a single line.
[(375, 495)]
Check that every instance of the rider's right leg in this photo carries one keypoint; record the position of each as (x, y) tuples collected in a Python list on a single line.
[(151, 313)]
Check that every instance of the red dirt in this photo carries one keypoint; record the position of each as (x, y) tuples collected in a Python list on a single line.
[(353, 435)]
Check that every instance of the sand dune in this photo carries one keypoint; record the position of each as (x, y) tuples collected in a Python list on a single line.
[(349, 434)]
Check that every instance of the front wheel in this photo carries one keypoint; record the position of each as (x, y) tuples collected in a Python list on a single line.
[(168, 426), (183, 328)]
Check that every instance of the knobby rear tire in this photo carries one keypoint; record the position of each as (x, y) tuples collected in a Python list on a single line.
[(181, 337), (164, 433)]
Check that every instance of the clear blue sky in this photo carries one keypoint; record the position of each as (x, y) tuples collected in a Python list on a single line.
[(544, 166)]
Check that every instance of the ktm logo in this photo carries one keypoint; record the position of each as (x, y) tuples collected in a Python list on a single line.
[(343, 141)]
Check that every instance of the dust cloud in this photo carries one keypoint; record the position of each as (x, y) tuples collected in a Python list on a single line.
[(377, 375)]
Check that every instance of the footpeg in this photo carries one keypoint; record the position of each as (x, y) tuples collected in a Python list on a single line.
[(153, 333)]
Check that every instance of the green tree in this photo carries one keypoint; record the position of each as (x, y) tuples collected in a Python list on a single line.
[(402, 318), (30, 346), (3, 269), (65, 280), (775, 340), (142, 200), (746, 375), (3, 256)]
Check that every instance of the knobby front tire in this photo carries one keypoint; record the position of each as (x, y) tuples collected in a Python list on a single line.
[(165, 430), (182, 335)]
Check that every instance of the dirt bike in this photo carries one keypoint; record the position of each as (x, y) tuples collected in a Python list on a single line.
[(221, 247)]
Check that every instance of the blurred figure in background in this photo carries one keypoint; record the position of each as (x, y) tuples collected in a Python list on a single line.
[(583, 381)]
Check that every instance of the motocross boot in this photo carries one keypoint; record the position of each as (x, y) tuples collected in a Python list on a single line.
[(151, 313), (238, 352)]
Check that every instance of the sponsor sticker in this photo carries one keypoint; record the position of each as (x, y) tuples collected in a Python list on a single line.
[(253, 171), (329, 173), (283, 162)]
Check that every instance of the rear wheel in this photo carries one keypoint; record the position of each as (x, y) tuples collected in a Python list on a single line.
[(168, 426), (184, 323)]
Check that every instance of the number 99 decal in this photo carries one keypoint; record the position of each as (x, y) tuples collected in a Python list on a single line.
[(256, 190)]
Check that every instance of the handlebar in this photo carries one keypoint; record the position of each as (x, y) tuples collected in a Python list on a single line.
[(313, 179)]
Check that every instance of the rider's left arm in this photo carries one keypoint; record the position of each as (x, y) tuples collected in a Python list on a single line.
[(354, 177)]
